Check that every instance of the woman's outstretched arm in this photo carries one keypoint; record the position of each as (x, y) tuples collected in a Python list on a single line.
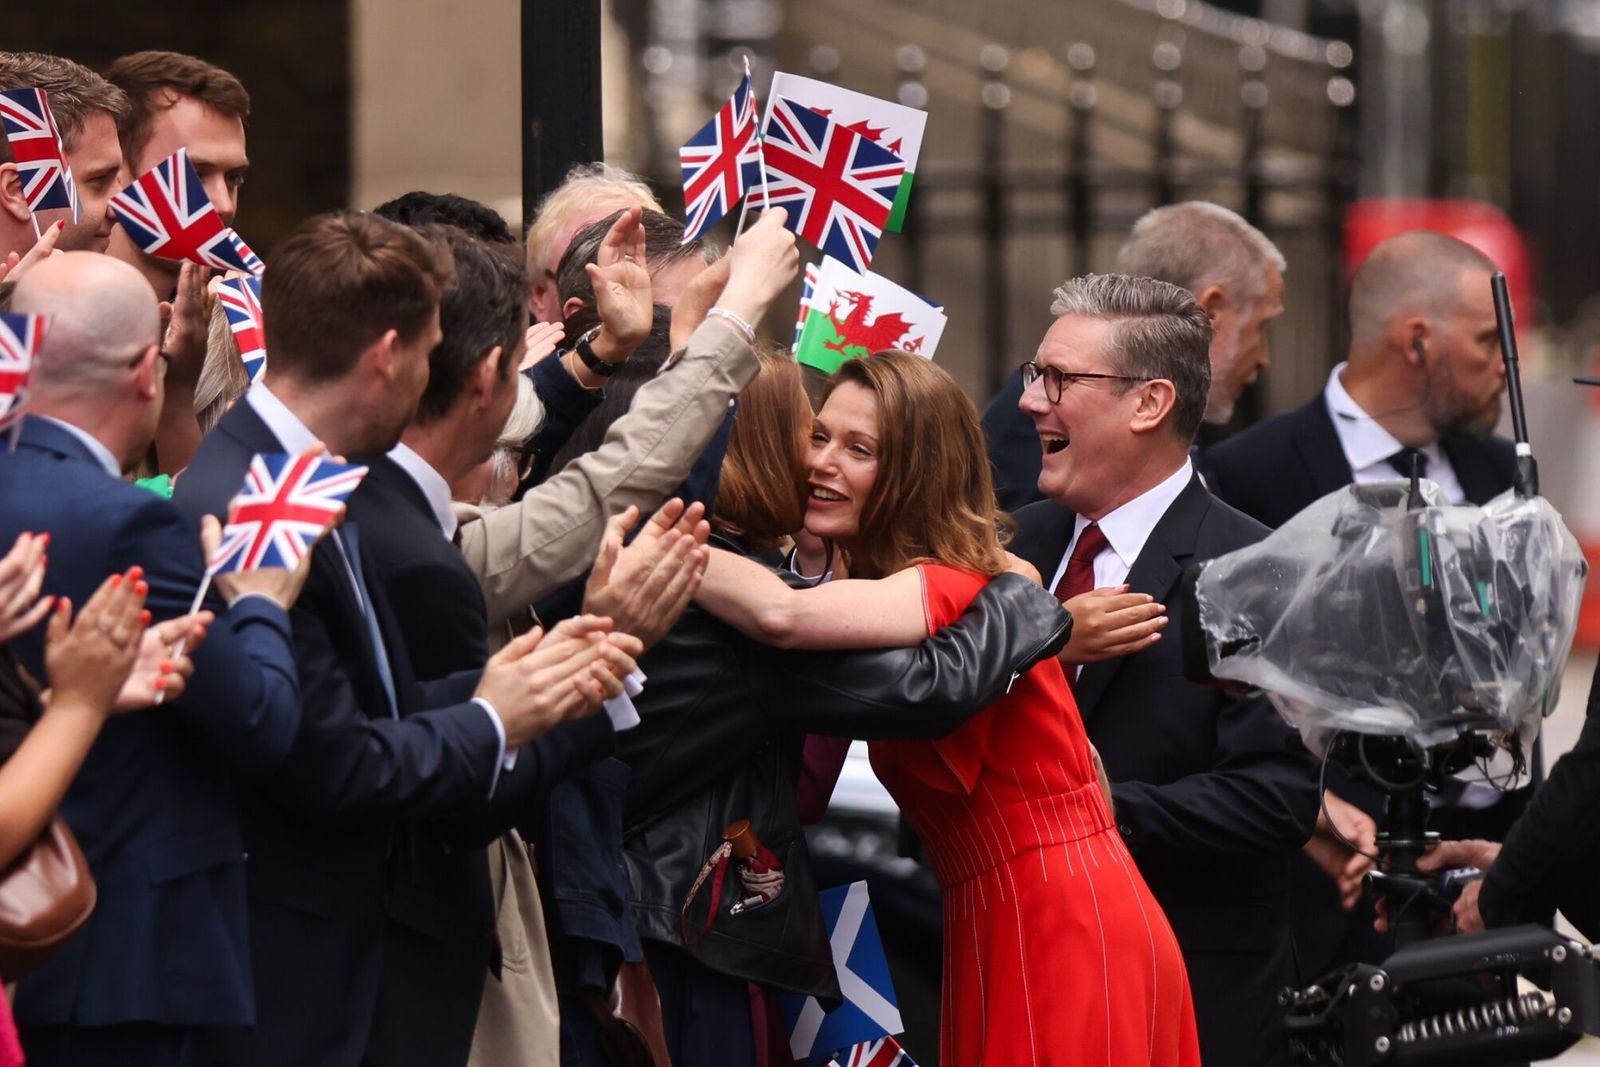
[(848, 613)]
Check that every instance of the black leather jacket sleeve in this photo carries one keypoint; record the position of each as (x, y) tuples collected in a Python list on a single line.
[(925, 691)]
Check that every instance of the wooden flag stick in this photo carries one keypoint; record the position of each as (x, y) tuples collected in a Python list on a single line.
[(194, 606)]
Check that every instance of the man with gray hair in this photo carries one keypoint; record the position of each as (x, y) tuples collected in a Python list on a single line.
[(1212, 792), (1422, 382), (1234, 273), (590, 191), (1231, 269)]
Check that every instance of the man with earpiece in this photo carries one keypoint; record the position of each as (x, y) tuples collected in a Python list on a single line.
[(1421, 384)]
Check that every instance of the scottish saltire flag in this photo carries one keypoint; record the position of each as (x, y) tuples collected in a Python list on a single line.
[(869, 1011), (168, 214), (20, 339), (241, 302), (37, 150), (286, 504), (885, 1052), (807, 287), (720, 162), (837, 185)]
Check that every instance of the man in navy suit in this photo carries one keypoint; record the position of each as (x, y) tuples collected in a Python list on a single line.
[(351, 306), (1423, 379), (165, 953), (1212, 792)]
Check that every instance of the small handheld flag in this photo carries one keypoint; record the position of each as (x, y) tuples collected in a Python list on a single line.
[(869, 1011), (38, 152), (241, 302), (287, 502), (21, 337), (167, 213), (720, 162), (885, 1052), (838, 186), (851, 315)]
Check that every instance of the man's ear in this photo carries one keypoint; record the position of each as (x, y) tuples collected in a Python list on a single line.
[(380, 355), (1414, 335), (1213, 301), (1157, 398), (486, 379), (570, 307), (12, 202), (147, 371)]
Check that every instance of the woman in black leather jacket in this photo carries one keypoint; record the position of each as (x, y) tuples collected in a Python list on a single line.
[(724, 723)]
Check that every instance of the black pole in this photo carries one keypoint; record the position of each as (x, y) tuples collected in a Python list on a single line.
[(1081, 102), (560, 94), (996, 97)]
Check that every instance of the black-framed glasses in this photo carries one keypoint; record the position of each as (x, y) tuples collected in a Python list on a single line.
[(1056, 379)]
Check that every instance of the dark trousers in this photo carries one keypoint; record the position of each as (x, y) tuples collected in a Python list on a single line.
[(706, 1015), (123, 1045)]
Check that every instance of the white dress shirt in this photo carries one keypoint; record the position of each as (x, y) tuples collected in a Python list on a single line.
[(294, 436), (1367, 446), (619, 709), (1126, 529)]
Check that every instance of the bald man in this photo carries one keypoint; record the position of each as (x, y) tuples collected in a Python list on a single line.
[(165, 954), (1423, 378)]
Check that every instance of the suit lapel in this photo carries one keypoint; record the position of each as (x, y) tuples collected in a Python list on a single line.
[(1155, 573), (1473, 470), (1317, 443)]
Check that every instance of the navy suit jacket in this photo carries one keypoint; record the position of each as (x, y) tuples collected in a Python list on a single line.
[(439, 944), (325, 837), (154, 805), (1213, 792), (1278, 467)]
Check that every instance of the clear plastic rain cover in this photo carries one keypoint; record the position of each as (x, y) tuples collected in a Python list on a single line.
[(1359, 614)]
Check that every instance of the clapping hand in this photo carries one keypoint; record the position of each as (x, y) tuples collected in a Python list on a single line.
[(539, 679), (21, 578), (543, 338), (645, 587), (163, 667), (88, 659)]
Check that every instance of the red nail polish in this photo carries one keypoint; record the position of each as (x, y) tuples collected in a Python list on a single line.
[(45, 538), (167, 667), (144, 618), (135, 573), (116, 581), (141, 588), (161, 683)]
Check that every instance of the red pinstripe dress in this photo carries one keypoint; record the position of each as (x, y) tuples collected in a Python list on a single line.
[(1054, 950)]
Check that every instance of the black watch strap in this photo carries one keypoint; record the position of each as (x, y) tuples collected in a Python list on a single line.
[(592, 361)]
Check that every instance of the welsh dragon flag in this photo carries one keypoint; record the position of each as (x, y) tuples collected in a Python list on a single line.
[(894, 126), (850, 316)]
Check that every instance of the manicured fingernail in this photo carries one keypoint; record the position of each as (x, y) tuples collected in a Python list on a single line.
[(135, 573), (161, 683), (44, 539), (141, 588), (116, 580), (144, 618), (167, 667)]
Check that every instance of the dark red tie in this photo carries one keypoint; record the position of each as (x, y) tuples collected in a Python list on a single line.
[(1079, 577)]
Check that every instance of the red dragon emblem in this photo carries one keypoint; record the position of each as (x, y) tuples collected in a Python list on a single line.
[(884, 331)]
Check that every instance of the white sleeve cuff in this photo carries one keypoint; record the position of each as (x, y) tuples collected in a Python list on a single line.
[(503, 760), (620, 709)]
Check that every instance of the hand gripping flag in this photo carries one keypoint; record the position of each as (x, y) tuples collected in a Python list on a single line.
[(720, 162), (20, 339), (287, 503), (838, 186), (241, 302), (868, 1012), (885, 1052), (168, 214), (37, 150)]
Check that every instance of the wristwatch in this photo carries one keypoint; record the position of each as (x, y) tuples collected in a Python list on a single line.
[(590, 360)]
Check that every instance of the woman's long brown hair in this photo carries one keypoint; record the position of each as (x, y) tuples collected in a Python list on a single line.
[(761, 494), (933, 501)]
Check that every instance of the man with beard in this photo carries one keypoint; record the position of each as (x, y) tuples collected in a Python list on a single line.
[(1422, 381)]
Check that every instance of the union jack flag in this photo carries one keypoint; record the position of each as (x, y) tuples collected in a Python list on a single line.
[(720, 162), (839, 187), (884, 1052), (20, 339), (37, 150), (286, 504), (168, 214), (807, 287), (241, 302)]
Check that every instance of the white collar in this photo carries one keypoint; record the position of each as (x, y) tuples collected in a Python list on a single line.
[(432, 484), (1364, 441), (99, 451), (1128, 527), (285, 425)]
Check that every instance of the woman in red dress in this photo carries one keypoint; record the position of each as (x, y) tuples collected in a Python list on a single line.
[(1054, 950)]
